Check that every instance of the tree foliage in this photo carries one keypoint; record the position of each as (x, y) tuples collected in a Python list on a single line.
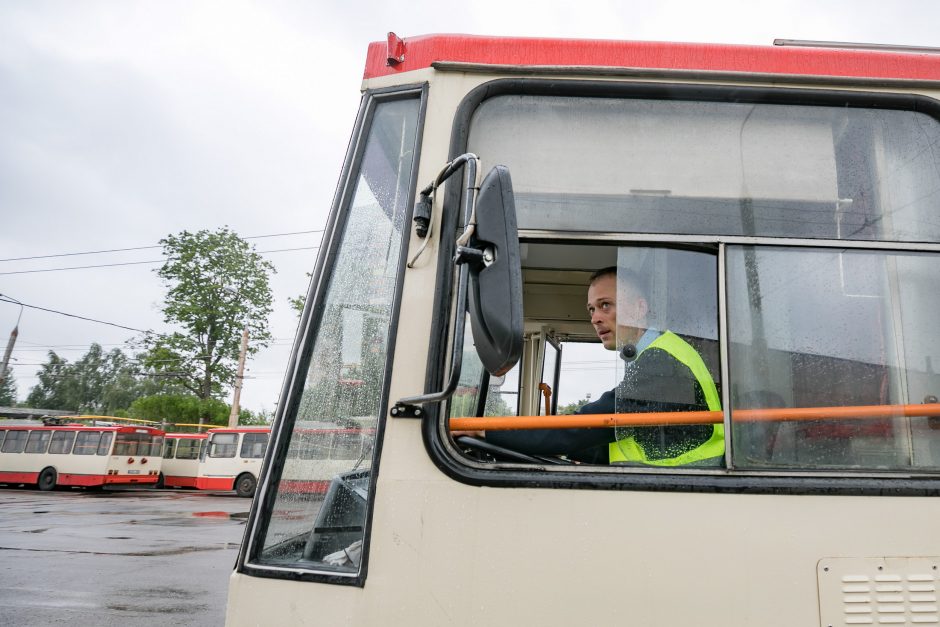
[(572, 408), (188, 409), (182, 408), (217, 286), (8, 390), (98, 383)]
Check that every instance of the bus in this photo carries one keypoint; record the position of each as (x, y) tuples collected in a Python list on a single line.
[(74, 454), (231, 459), (181, 460), (768, 220), (321, 451)]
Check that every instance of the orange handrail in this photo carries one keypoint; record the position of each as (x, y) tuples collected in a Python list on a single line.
[(574, 421)]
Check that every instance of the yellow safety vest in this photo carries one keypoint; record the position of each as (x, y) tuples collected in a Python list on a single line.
[(628, 450)]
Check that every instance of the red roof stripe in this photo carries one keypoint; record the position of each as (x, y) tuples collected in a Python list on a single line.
[(421, 52)]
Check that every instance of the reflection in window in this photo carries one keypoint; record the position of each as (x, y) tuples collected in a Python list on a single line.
[(833, 328), (661, 166), (346, 378)]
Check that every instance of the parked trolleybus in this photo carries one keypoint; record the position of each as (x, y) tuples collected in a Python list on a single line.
[(231, 459), (181, 460), (74, 454), (744, 430)]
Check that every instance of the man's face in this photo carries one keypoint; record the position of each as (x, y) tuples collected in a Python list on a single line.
[(602, 307)]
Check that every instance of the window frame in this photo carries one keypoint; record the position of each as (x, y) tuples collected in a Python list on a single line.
[(276, 454), (453, 464)]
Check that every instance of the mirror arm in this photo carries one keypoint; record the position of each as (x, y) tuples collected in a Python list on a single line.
[(408, 406)]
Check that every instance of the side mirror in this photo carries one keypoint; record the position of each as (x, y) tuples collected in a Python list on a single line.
[(495, 288)]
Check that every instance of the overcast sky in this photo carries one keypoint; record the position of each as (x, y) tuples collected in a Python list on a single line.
[(124, 121)]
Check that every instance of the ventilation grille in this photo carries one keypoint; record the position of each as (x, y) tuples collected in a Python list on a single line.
[(878, 591)]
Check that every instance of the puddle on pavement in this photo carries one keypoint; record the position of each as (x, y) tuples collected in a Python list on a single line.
[(195, 518)]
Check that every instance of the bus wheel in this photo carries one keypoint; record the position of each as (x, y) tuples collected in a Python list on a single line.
[(245, 485), (46, 479), (159, 483)]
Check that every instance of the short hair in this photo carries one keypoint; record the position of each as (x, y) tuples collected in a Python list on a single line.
[(621, 275)]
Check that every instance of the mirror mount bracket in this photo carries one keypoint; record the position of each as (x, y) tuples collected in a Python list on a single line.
[(408, 406)]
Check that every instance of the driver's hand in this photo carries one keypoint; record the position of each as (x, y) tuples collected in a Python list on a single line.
[(472, 434)]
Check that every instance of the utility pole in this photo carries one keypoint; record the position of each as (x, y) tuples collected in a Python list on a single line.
[(11, 342), (233, 417)]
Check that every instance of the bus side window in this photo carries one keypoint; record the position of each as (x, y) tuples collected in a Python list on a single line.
[(86, 443), (253, 445), (104, 446), (15, 442), (3, 433), (38, 442), (62, 442), (169, 450), (223, 445)]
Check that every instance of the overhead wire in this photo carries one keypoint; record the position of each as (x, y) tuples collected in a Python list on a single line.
[(137, 263), (119, 250)]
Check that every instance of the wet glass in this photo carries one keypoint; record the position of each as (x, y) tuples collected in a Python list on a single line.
[(719, 168), (665, 327), (846, 332), (343, 388)]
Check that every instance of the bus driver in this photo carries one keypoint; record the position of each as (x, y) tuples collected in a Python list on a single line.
[(662, 373)]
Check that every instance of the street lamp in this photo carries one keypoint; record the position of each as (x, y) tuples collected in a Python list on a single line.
[(12, 341)]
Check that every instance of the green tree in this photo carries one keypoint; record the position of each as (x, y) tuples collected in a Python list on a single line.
[(217, 285), (297, 304), (98, 383), (51, 392), (571, 408), (180, 408), (8, 391)]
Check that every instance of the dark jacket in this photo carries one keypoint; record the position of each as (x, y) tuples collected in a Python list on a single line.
[(653, 382)]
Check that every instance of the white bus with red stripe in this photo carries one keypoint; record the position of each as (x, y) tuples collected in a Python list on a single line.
[(181, 453), (780, 206), (75, 454), (231, 459)]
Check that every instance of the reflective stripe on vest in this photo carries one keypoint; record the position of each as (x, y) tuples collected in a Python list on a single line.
[(628, 450)]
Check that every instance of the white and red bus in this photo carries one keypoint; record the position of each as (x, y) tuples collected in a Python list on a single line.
[(181, 460), (322, 451), (231, 459), (776, 208), (75, 454)]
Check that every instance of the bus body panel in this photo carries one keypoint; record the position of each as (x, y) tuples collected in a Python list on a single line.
[(555, 556), (443, 552), (83, 470), (182, 472)]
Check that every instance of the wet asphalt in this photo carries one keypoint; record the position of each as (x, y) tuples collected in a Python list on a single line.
[(117, 557)]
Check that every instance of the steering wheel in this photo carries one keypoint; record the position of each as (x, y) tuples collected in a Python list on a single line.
[(507, 454)]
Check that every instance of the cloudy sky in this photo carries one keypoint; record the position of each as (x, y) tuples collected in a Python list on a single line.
[(123, 121)]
